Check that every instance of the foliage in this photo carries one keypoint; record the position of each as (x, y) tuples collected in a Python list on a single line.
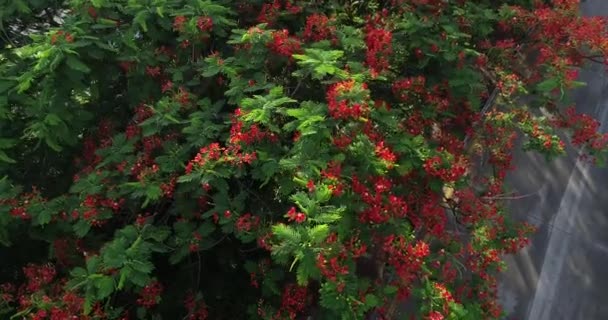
[(215, 159)]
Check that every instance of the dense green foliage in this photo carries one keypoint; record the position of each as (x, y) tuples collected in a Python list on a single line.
[(215, 159)]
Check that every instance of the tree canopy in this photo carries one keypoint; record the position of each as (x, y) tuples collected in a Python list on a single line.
[(326, 159)]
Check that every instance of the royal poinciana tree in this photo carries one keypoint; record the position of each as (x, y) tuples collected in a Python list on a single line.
[(215, 159)]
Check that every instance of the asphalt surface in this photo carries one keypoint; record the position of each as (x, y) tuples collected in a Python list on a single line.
[(563, 274)]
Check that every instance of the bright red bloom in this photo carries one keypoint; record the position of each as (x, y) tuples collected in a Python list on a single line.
[(38, 276), (435, 315), (294, 215), (204, 24), (150, 295), (293, 300), (284, 44), (247, 222), (379, 48), (420, 250), (317, 28), (178, 23), (384, 153), (342, 108)]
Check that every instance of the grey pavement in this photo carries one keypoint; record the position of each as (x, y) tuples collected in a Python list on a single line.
[(563, 274)]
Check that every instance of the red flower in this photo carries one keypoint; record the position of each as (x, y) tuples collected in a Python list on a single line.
[(317, 28), (284, 44), (294, 299), (310, 185), (92, 12), (384, 153), (150, 295), (204, 24), (247, 222), (342, 108), (379, 48), (153, 71), (269, 12), (294, 215), (435, 315), (167, 86), (178, 23), (38, 276), (420, 249)]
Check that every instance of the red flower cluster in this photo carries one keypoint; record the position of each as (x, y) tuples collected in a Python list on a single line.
[(284, 44), (150, 295), (207, 153), (19, 212), (270, 11), (379, 49), (38, 276), (448, 172), (381, 204), (240, 134), (178, 23), (404, 88), (434, 315), (407, 260), (383, 152), (445, 295), (204, 23), (379, 45), (317, 28), (341, 107), (247, 222), (294, 215), (197, 310), (293, 300), (473, 208), (68, 37), (153, 72), (333, 268), (7, 293), (584, 129)]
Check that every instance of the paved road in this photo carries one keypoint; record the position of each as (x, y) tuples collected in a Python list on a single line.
[(563, 274)]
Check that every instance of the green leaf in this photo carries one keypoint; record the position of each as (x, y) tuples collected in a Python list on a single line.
[(98, 3), (5, 86), (318, 233), (88, 301), (124, 274), (390, 290), (21, 6), (4, 157), (159, 11), (43, 217), (78, 272), (139, 278), (140, 18), (327, 218), (578, 84), (548, 85), (81, 228), (52, 119), (323, 193), (75, 64), (371, 301), (52, 143), (285, 232), (158, 234), (105, 287), (458, 311), (306, 269), (211, 70), (6, 143)]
